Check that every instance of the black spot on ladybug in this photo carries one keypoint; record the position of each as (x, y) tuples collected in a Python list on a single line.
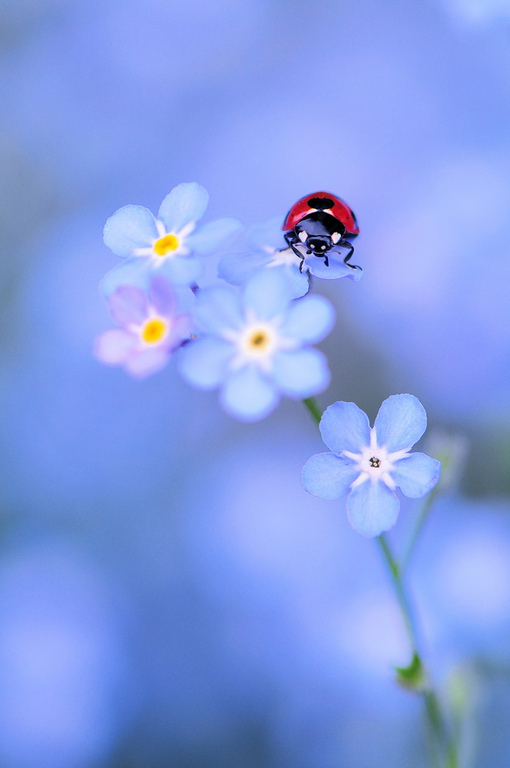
[(321, 203)]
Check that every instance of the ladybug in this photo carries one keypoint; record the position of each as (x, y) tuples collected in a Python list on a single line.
[(318, 223)]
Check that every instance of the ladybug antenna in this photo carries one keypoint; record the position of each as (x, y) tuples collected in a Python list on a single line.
[(321, 203)]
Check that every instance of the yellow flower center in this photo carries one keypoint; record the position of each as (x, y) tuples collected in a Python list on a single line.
[(258, 341), (166, 244), (154, 330)]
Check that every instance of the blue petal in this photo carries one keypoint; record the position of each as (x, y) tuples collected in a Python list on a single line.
[(328, 476), (345, 427), (217, 309), (115, 346), (182, 270), (185, 203), (132, 226), (400, 423), (212, 235), (372, 508), (334, 271), (266, 235), (237, 268), (310, 319), (128, 305), (146, 363), (302, 373), (204, 362), (135, 271), (299, 281), (248, 396), (268, 293), (162, 296), (416, 475)]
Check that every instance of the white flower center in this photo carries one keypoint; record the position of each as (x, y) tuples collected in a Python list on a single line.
[(285, 257), (257, 341), (375, 463)]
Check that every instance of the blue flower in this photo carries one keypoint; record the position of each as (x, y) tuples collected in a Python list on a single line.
[(264, 247), (166, 244), (368, 463), (254, 346), (152, 326)]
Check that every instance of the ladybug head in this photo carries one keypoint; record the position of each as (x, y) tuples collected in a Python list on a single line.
[(319, 243)]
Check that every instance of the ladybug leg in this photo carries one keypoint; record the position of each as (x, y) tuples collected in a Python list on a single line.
[(291, 242), (347, 244)]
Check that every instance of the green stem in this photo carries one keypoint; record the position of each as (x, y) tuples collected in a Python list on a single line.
[(442, 747), (315, 411), (398, 586)]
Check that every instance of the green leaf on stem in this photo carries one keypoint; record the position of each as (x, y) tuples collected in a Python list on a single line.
[(412, 677)]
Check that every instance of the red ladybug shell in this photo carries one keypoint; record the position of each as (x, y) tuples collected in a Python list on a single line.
[(339, 210)]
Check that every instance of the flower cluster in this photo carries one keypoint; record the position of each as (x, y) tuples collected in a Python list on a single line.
[(252, 336)]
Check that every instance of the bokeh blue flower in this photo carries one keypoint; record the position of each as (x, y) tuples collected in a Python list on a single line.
[(152, 327), (367, 464), (167, 244), (255, 345)]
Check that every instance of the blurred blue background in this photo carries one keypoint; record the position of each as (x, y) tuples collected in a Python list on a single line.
[(169, 595)]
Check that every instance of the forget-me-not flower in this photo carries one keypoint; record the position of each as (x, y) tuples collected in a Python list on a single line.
[(152, 327), (263, 247), (368, 464), (168, 244), (255, 345)]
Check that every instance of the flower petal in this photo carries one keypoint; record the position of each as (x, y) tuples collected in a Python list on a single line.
[(336, 269), (400, 423), (162, 296), (299, 281), (218, 308), (268, 293), (114, 347), (128, 305), (310, 319), (328, 476), (237, 268), (248, 396), (372, 508), (135, 271), (179, 332), (345, 427), (147, 362), (301, 373), (132, 226), (416, 474), (212, 235), (182, 270), (204, 362), (266, 235), (185, 203)]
